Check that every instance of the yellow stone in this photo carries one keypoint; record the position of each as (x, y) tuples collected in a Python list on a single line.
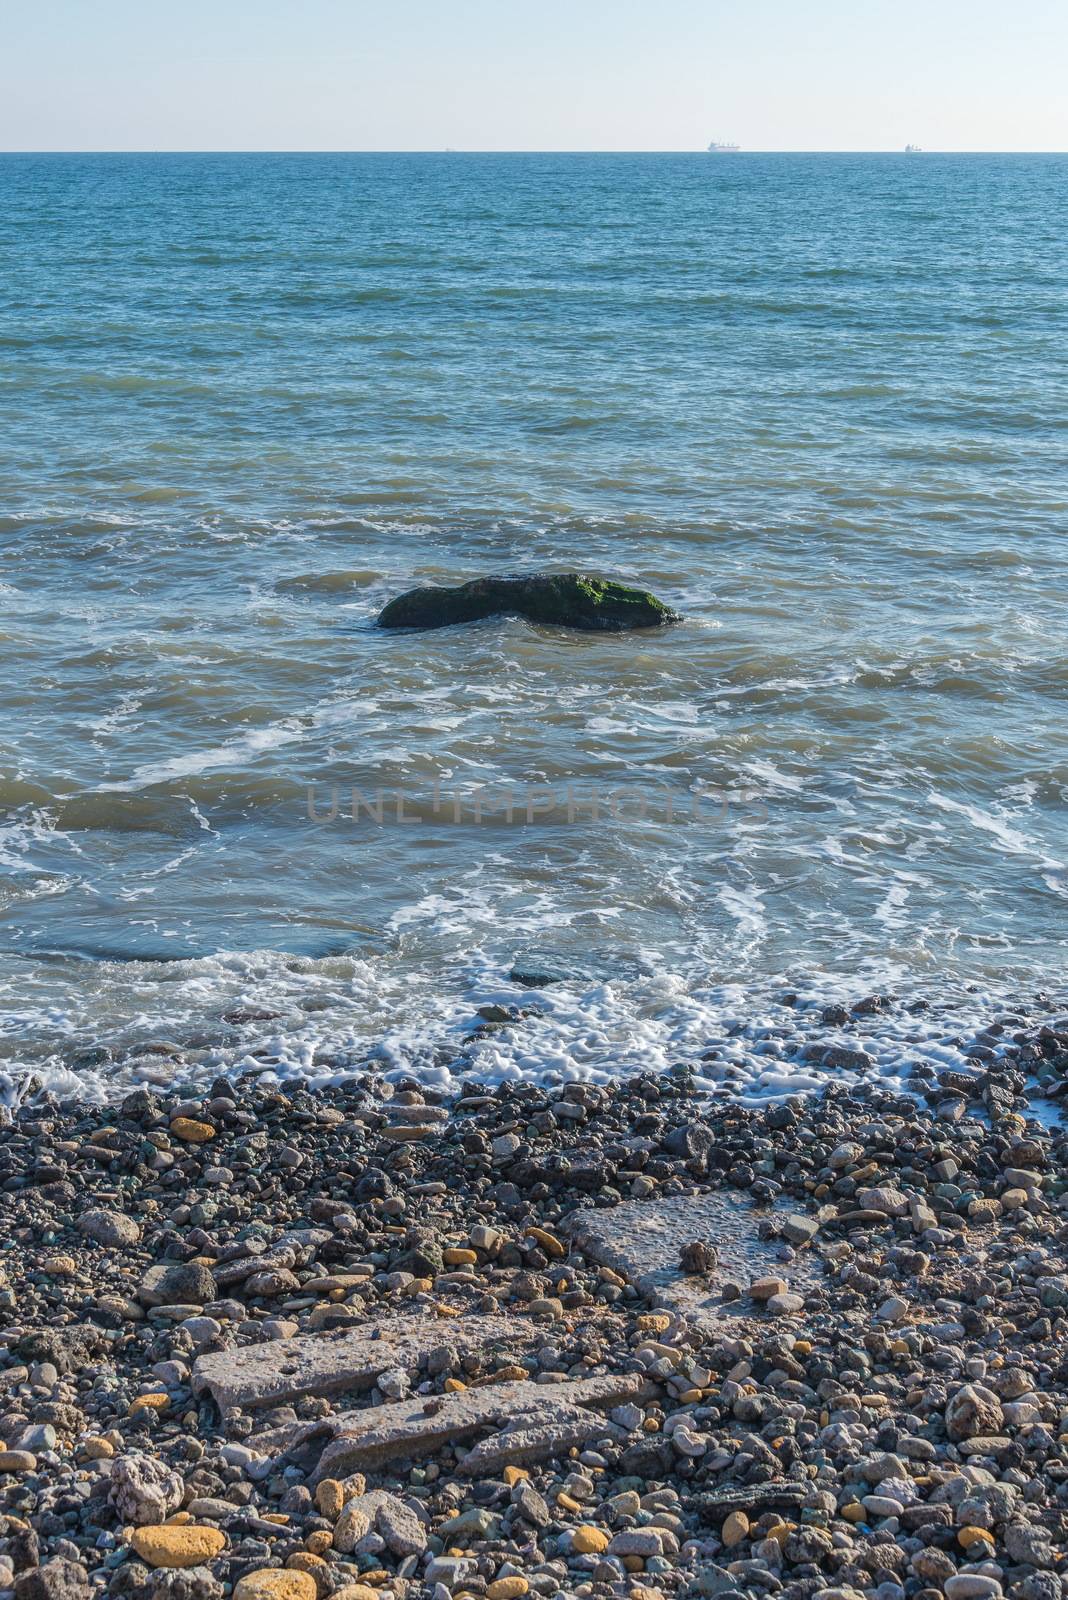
[(170, 1545), (735, 1529), (514, 1475), (507, 1588), (275, 1516), (275, 1583), (781, 1532), (96, 1449), (513, 1374), (191, 1131), (654, 1322), (854, 1512), (330, 1498), (633, 1563), (690, 1397), (549, 1243), (969, 1536), (149, 1402), (457, 1257), (588, 1540), (305, 1561), (60, 1266), (453, 1386), (319, 1541), (566, 1500), (650, 1425), (803, 1347), (355, 1591)]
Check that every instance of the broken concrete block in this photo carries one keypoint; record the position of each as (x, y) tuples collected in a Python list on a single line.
[(552, 1432), (329, 1363), (560, 1415), (555, 1418), (642, 1241)]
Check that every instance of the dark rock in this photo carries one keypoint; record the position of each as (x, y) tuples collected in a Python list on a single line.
[(692, 1141), (566, 600), (68, 1349), (57, 1580), (186, 1283), (647, 1459), (532, 978), (698, 1258), (24, 1550), (189, 1583)]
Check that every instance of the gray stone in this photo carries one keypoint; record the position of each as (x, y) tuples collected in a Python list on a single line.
[(971, 1586), (1029, 1545), (973, 1411), (638, 1542), (143, 1490), (888, 1201), (800, 1230), (531, 1505), (449, 1570), (189, 1583), (399, 1526), (183, 1283), (475, 1523), (56, 1580), (112, 1228)]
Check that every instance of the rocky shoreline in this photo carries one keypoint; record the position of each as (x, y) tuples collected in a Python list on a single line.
[(576, 1341)]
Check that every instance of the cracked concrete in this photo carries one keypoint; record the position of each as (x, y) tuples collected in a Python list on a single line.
[(641, 1240), (527, 1422), (330, 1363)]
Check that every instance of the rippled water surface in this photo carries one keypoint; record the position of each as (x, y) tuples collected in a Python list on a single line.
[(817, 403)]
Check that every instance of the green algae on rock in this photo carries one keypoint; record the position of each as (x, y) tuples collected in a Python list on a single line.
[(564, 600)]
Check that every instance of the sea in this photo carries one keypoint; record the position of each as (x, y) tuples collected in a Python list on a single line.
[(817, 403)]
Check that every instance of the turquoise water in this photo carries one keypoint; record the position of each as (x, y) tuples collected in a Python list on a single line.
[(818, 403)]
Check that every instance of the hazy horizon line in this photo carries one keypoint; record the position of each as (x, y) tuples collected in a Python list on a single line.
[(442, 150)]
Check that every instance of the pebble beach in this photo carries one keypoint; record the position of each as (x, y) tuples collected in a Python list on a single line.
[(633, 1340)]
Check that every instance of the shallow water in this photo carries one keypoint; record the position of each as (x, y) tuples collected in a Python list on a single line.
[(817, 403)]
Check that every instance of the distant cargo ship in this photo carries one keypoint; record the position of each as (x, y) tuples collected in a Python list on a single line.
[(720, 148), (913, 149)]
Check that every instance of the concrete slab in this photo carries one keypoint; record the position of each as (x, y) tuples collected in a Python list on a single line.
[(641, 1240), (352, 1358), (528, 1422)]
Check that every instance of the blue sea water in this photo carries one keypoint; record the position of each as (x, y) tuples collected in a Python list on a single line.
[(819, 403)]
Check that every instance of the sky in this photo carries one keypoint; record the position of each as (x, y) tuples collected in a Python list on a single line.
[(533, 74)]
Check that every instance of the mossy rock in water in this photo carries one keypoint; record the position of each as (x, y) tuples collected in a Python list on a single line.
[(563, 600)]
